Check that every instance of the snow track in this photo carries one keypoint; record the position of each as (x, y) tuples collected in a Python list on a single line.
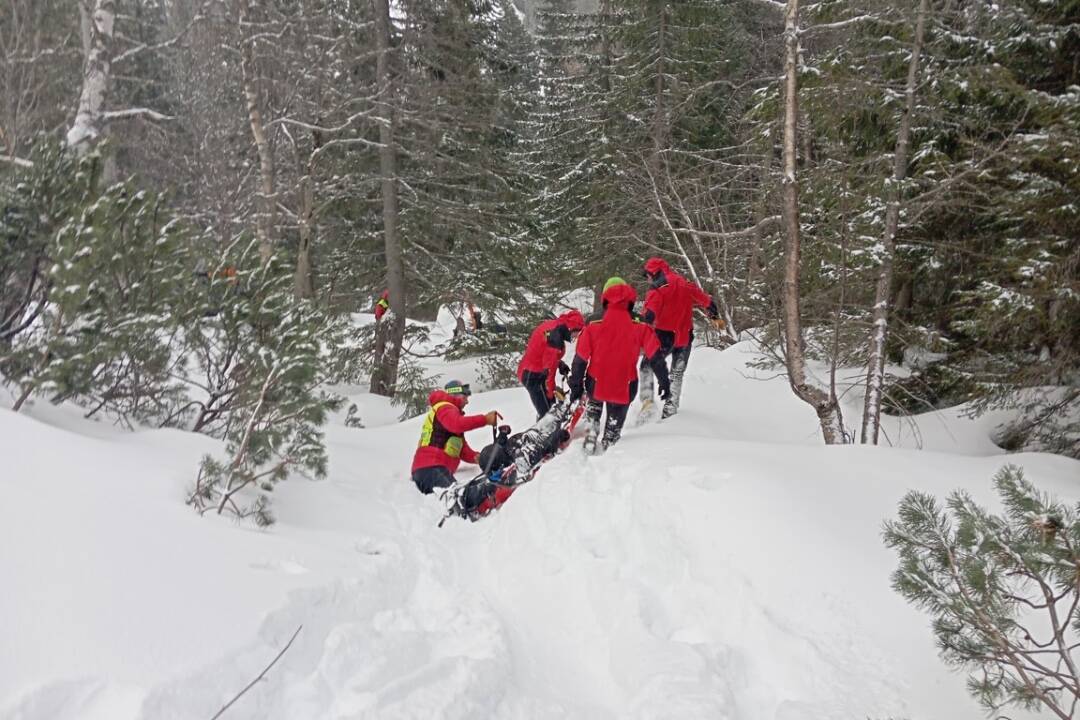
[(699, 569)]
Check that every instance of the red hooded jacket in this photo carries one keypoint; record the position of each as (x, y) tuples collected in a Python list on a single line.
[(382, 305), (442, 439), (672, 304), (611, 347), (547, 345)]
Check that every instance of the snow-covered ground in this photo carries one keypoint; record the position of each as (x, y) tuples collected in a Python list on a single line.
[(721, 564)]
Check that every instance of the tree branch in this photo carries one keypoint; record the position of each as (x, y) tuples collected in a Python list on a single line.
[(260, 675), (18, 161), (135, 112)]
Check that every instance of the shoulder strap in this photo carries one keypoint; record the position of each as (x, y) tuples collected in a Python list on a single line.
[(441, 403)]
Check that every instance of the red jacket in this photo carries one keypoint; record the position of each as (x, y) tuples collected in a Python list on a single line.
[(612, 345), (382, 305), (442, 439), (672, 304), (547, 345)]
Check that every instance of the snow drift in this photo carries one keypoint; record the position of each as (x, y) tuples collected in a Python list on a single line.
[(719, 564)]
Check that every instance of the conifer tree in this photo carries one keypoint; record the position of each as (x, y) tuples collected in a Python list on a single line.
[(264, 356), (1001, 589), (113, 294)]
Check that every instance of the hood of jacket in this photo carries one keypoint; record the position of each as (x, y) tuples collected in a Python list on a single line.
[(657, 265), (438, 396), (619, 296), (573, 320)]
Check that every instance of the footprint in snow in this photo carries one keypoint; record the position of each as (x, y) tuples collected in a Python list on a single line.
[(708, 480), (289, 567)]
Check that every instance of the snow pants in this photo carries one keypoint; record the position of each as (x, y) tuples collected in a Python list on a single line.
[(616, 417), (680, 356), (536, 384), (429, 478)]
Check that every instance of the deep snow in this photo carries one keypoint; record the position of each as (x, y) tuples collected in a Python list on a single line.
[(720, 564)]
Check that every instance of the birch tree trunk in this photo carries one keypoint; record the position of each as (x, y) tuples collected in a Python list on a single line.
[(391, 330), (97, 18), (879, 332), (824, 403), (264, 222)]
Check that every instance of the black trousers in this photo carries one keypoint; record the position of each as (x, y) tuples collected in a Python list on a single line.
[(616, 414), (536, 384), (429, 478), (680, 356)]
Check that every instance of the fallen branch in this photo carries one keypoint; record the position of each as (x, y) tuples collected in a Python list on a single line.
[(136, 112), (260, 675), (16, 161)]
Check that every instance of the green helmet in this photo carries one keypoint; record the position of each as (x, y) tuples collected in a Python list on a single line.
[(612, 282)]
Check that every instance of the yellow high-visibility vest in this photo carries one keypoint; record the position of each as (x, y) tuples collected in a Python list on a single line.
[(436, 435)]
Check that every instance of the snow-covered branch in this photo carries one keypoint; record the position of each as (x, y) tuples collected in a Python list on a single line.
[(341, 127), (773, 4), (839, 24), (136, 112), (171, 42), (17, 161), (764, 225)]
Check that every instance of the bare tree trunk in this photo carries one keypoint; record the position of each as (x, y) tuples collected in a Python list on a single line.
[(824, 404), (790, 199), (303, 285), (264, 223), (755, 270), (303, 277), (605, 46), (806, 138), (659, 132), (391, 331), (875, 374), (97, 19), (904, 295)]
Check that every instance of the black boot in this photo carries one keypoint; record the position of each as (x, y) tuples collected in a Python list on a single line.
[(679, 359), (612, 431), (593, 411)]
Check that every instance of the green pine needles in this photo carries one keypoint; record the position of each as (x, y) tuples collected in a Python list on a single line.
[(127, 312), (110, 268), (264, 357), (1003, 591)]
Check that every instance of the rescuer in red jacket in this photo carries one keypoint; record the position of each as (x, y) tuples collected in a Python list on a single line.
[(605, 363), (669, 308), (442, 444), (382, 305), (544, 357)]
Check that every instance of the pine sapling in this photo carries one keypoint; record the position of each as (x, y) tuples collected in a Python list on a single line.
[(1003, 591), (272, 419)]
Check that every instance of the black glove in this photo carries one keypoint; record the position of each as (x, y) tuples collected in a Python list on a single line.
[(576, 391), (713, 312), (665, 390), (564, 369)]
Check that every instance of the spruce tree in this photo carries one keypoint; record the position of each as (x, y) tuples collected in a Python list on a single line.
[(993, 265)]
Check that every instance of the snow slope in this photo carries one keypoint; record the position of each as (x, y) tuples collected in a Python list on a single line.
[(721, 564)]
